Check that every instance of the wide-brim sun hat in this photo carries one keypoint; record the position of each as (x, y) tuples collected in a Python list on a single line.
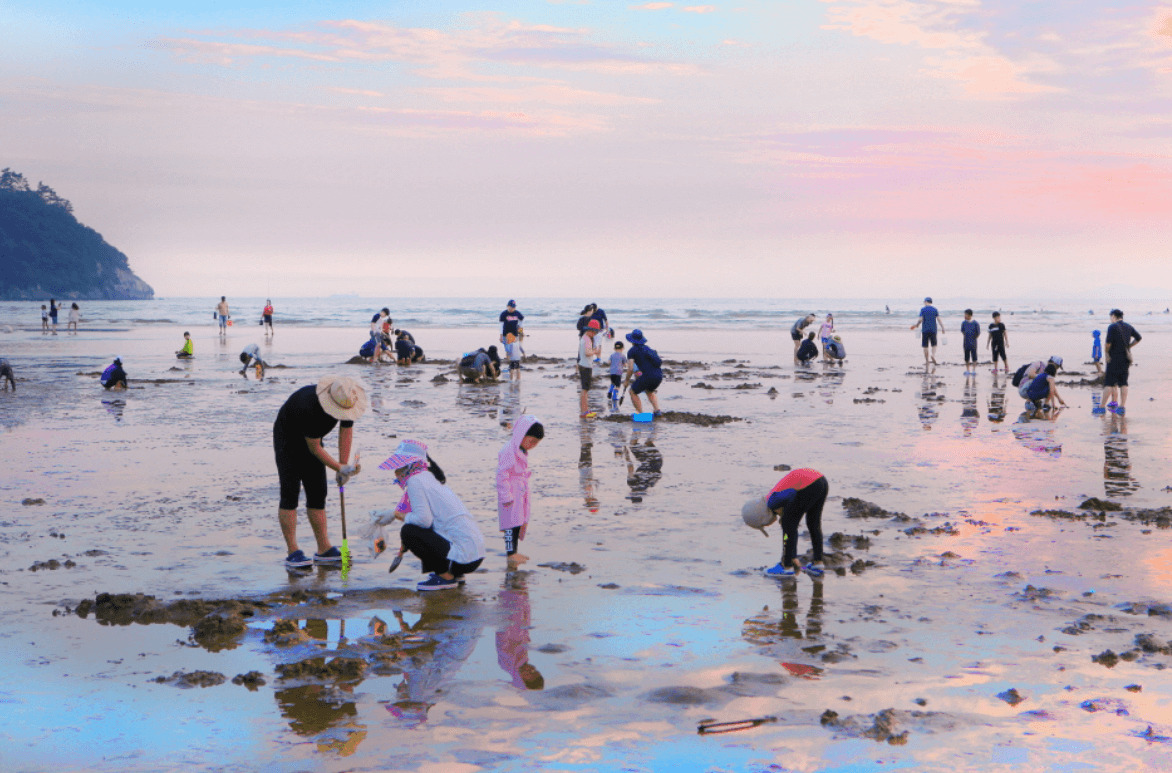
[(405, 453), (636, 337), (757, 515), (342, 397)]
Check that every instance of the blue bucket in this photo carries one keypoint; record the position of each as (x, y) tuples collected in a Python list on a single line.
[(642, 417)]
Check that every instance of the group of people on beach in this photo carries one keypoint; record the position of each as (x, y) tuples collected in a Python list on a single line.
[(50, 313), (390, 344), (806, 351), (223, 314)]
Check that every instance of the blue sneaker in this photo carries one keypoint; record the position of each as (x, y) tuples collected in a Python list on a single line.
[(435, 582), (780, 571), (816, 569), (1029, 406), (1120, 411), (297, 560), (1098, 409), (331, 556)]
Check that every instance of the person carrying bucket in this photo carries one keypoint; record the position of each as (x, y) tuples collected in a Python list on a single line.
[(304, 420), (800, 493)]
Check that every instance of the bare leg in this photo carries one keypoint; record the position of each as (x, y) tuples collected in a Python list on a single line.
[(654, 401), (1122, 396), (925, 355), (288, 520), (637, 403), (582, 400)]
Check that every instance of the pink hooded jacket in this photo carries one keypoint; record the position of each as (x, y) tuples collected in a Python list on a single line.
[(512, 478)]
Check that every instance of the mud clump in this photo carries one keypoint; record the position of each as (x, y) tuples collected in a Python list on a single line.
[(218, 632), (679, 417), (1151, 643), (1030, 593), (560, 566), (857, 508), (52, 563), (782, 468), (1106, 658), (440, 378), (251, 680), (1011, 696), (216, 624), (29, 501), (338, 669), (285, 633), (191, 679), (888, 725), (1094, 503), (356, 360), (1060, 514)]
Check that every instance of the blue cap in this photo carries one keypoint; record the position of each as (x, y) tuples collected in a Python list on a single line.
[(512, 303), (927, 300)]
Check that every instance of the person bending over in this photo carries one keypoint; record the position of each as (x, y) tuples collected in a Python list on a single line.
[(801, 493), (114, 377), (251, 356)]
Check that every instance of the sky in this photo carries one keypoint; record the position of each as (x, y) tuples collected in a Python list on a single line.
[(838, 148)]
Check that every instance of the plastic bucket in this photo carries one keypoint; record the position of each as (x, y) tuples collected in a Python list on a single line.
[(642, 417)]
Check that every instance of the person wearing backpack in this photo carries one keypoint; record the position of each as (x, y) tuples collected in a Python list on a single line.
[(644, 364)]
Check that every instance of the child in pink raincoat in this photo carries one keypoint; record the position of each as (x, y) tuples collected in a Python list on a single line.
[(512, 484)]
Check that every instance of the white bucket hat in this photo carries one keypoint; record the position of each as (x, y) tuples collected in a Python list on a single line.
[(342, 397), (757, 515)]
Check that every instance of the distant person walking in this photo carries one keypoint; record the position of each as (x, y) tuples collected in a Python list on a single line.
[(646, 365), (44, 319), (796, 332), (929, 318), (970, 332), (304, 420), (53, 314), (74, 318), (268, 317), (1121, 337), (511, 320), (223, 312), (998, 341)]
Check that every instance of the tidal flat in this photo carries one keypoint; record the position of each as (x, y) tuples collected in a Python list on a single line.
[(999, 594)]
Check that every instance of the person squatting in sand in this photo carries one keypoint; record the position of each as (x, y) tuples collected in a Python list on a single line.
[(7, 377), (645, 365), (304, 420), (114, 377), (437, 527), (802, 492), (512, 485), (808, 350), (188, 350), (1042, 392)]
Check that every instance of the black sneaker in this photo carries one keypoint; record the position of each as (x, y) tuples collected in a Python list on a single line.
[(331, 556), (298, 560)]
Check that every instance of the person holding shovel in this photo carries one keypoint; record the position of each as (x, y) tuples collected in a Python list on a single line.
[(304, 420), (802, 492)]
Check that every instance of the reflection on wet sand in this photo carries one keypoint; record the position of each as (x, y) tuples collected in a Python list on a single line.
[(510, 404), (970, 415), (644, 463), (587, 482), (832, 378), (997, 401), (512, 639), (1031, 432), (1117, 480), (479, 399), (929, 410), (779, 635), (115, 407), (315, 709)]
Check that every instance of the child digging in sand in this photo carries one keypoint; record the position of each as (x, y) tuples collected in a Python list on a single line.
[(512, 485), (800, 493)]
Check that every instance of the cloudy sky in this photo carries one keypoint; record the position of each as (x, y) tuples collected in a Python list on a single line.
[(790, 148)]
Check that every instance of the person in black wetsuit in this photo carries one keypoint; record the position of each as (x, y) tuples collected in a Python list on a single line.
[(304, 420)]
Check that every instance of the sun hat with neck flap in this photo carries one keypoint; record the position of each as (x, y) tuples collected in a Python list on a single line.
[(757, 515), (342, 397), (405, 453)]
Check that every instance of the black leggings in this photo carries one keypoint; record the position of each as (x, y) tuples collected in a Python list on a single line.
[(512, 540), (807, 502), (297, 467), (432, 550)]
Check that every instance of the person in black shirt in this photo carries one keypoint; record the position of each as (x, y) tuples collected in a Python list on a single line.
[(1121, 337), (998, 340), (307, 416)]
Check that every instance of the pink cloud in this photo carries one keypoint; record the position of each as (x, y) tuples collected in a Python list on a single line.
[(229, 53), (357, 92), (699, 8), (551, 94), (651, 6)]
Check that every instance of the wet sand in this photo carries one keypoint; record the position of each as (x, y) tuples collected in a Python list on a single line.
[(957, 630)]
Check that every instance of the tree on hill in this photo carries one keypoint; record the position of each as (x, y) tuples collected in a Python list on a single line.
[(45, 251)]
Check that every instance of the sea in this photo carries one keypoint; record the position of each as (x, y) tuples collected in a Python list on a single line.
[(728, 314)]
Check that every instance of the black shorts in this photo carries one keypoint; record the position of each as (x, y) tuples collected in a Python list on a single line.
[(296, 467), (1116, 376), (585, 377), (970, 354), (795, 336), (928, 338), (616, 380), (646, 383), (998, 350), (268, 319)]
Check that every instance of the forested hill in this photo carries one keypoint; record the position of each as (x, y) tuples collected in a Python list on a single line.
[(45, 253)]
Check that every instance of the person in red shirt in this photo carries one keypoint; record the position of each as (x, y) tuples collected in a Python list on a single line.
[(800, 493)]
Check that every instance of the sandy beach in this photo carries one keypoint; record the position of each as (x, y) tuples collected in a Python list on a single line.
[(961, 628)]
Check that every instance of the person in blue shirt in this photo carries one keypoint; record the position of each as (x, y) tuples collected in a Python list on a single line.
[(645, 364), (971, 330), (1097, 350), (511, 321), (929, 317)]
